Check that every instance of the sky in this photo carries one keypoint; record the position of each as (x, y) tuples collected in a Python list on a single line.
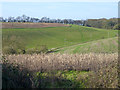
[(59, 0), (62, 10)]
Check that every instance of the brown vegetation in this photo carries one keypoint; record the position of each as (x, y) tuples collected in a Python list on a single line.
[(45, 62), (102, 68), (31, 25)]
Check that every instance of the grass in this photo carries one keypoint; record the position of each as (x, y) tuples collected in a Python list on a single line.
[(109, 45), (54, 37), (60, 71), (62, 79)]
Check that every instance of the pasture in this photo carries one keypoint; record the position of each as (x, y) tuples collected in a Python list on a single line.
[(54, 37)]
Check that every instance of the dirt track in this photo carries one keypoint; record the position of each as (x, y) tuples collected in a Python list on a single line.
[(31, 25)]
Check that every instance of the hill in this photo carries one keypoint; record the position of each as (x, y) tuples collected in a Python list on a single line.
[(109, 45), (53, 37)]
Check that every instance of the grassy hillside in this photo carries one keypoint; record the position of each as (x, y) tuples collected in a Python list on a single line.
[(54, 37), (109, 45)]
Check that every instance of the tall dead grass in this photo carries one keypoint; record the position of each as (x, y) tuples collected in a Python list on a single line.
[(103, 66), (46, 62)]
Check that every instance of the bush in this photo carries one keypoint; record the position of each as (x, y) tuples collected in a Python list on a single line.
[(103, 37), (31, 51), (116, 27), (9, 50), (43, 49), (13, 46), (104, 78), (13, 76)]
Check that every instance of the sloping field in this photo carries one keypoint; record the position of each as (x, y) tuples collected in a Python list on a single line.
[(31, 25), (54, 37), (109, 45)]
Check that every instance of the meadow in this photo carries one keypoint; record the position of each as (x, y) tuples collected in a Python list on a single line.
[(82, 57), (54, 37)]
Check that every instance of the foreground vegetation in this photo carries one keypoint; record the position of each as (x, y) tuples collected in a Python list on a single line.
[(60, 71)]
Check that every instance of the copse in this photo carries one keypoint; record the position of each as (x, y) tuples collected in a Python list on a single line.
[(102, 23)]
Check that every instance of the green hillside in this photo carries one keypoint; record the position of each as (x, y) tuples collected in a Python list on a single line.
[(54, 37), (109, 45)]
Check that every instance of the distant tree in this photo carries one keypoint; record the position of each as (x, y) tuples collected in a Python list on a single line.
[(28, 19), (18, 19), (10, 19), (1, 19), (65, 21), (58, 20), (24, 18), (97, 23), (84, 22), (78, 22)]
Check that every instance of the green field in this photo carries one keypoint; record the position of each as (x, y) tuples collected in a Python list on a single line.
[(109, 45), (55, 37)]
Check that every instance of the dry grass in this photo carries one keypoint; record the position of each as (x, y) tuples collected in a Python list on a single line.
[(65, 61), (103, 67)]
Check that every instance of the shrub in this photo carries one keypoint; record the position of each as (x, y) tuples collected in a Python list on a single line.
[(13, 46), (12, 50), (30, 51), (13, 76), (9, 50), (43, 49), (105, 77), (116, 27), (103, 37)]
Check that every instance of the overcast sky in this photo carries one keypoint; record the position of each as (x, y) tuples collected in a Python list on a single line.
[(69, 10)]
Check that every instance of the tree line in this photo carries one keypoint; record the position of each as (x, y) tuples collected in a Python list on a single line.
[(104, 23), (25, 18)]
